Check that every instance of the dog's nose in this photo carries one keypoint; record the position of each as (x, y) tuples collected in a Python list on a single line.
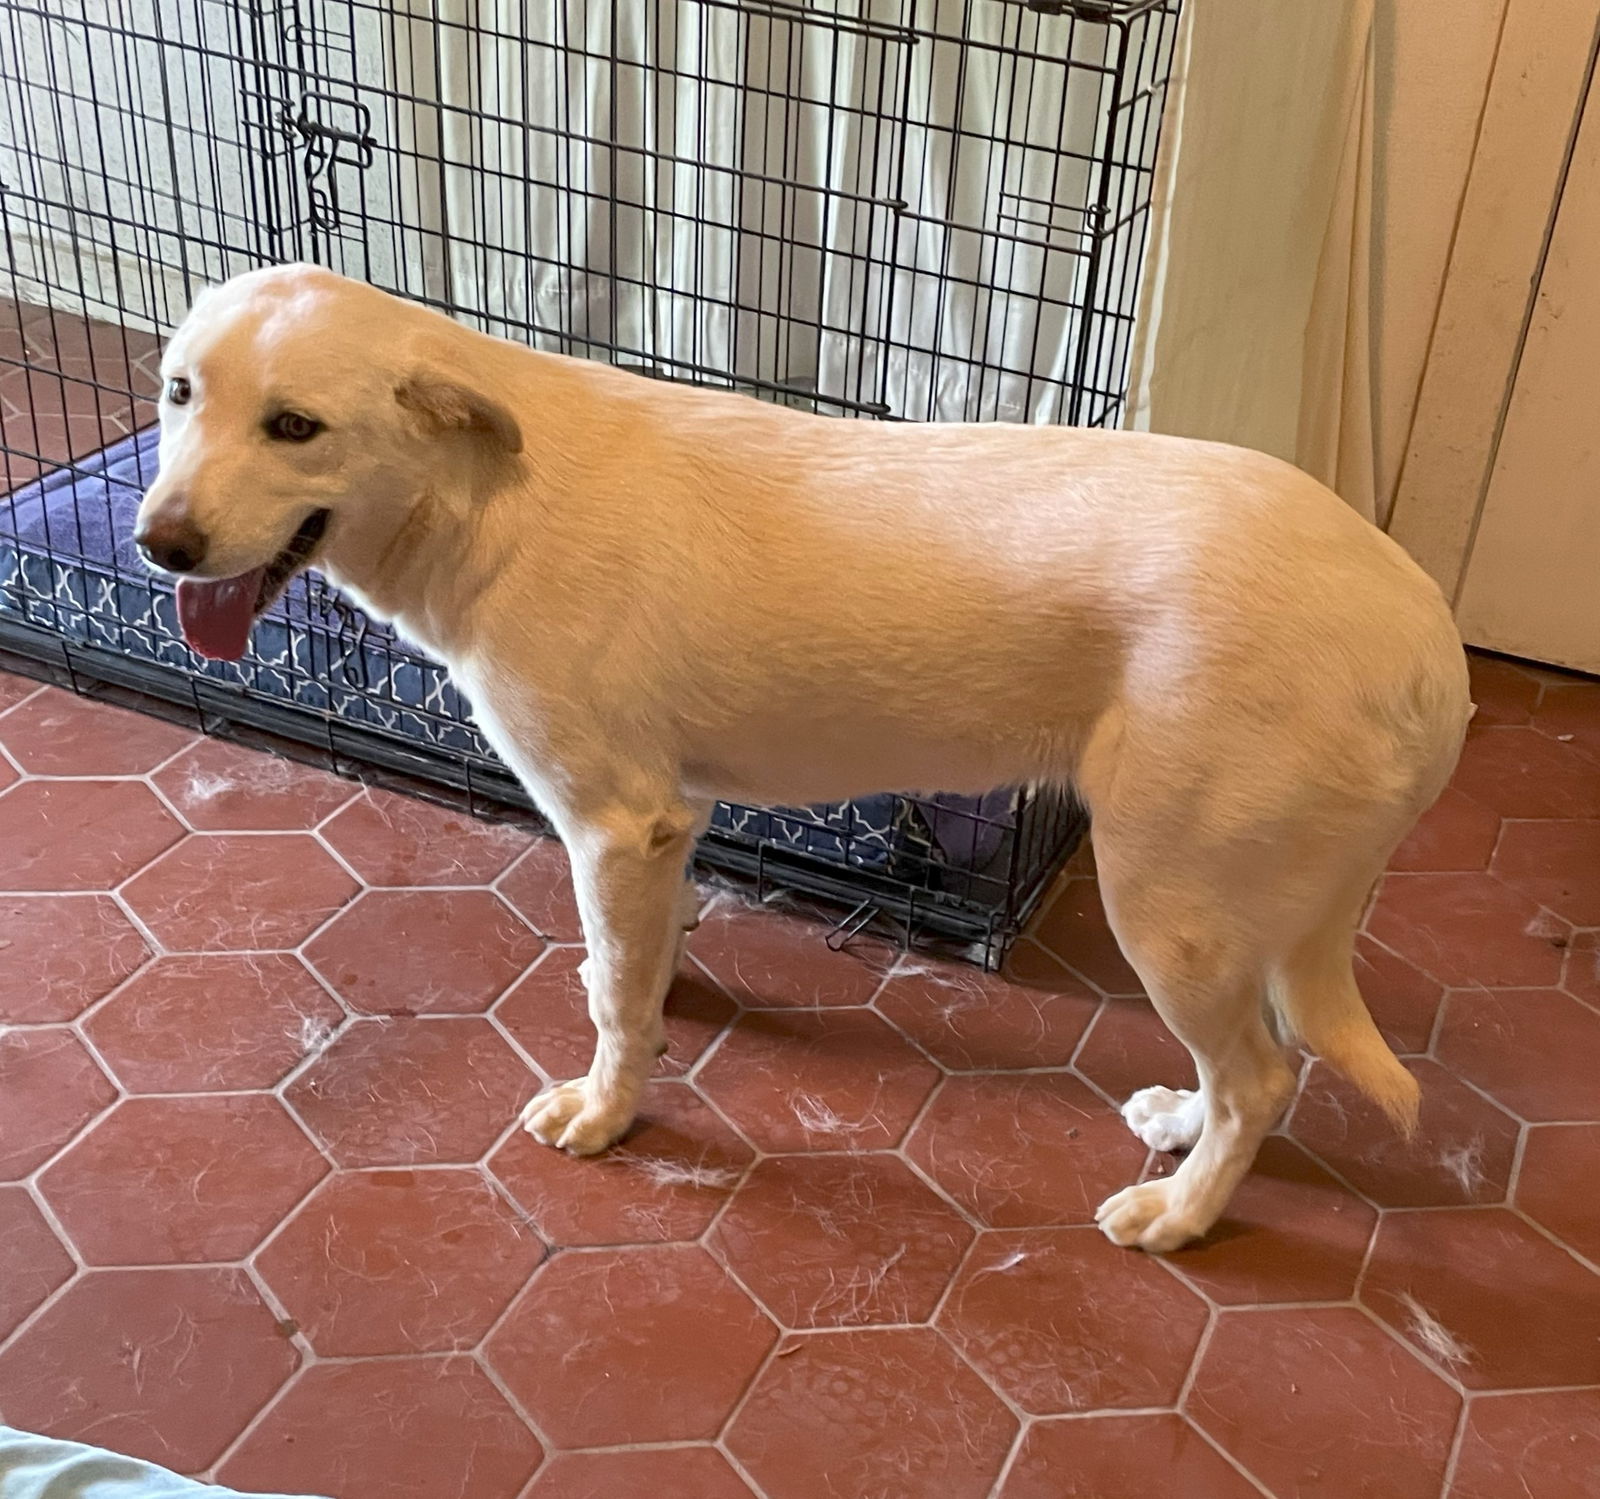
[(176, 545)]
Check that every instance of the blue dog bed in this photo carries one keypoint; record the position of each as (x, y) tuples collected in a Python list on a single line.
[(68, 564)]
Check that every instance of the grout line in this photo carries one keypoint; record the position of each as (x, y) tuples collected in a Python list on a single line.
[(1439, 1370), (997, 1488), (1227, 1457), (1192, 1373), (257, 1420), (1457, 1442), (517, 1408), (1021, 1416), (1560, 1244)]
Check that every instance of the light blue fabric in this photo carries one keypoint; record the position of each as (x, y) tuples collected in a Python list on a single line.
[(33, 1467)]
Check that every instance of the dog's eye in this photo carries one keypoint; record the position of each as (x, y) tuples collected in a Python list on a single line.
[(290, 426), (178, 391)]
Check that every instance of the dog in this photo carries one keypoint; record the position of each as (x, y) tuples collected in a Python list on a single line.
[(657, 596)]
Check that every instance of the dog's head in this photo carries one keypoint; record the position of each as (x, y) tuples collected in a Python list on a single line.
[(295, 404)]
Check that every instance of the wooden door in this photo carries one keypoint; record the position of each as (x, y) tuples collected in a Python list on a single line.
[(1499, 489), (1531, 586)]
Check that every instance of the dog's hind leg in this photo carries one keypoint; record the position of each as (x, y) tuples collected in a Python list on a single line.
[(1194, 950), (629, 872), (1236, 903)]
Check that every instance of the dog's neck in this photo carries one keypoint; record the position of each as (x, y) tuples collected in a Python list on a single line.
[(411, 565)]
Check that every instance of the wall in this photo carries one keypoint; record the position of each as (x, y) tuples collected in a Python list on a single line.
[(1433, 60), (1545, 53), (1314, 162)]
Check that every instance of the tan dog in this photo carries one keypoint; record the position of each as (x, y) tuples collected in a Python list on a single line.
[(657, 596)]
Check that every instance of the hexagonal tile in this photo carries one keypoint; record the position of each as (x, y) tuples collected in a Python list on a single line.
[(1306, 1398), (630, 1345), (33, 1262), (1025, 1149), (410, 1091), (219, 787), (131, 1359), (841, 1241), (1554, 863), (662, 1472), (1290, 1233), (1073, 926), (162, 1180), (1129, 1047), (360, 1266), (206, 1023), (1112, 1456), (539, 885), (664, 1181), (15, 689), (91, 350), (1520, 772), (60, 953), (1581, 975), (1546, 1445), (81, 835), (874, 1411), (408, 1428), (50, 1087), (397, 840), (1462, 1150), (795, 1080), (57, 734), (1554, 1184), (1486, 1296), (765, 958), (20, 435), (423, 952), (1456, 833), (1569, 712), (1536, 1051), (968, 1020), (1468, 929), (1503, 691), (548, 1013), (280, 888), (1062, 1320), (1402, 1000)]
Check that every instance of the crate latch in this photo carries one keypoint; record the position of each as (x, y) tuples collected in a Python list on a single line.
[(333, 133)]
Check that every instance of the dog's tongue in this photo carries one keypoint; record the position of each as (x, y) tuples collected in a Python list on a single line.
[(216, 616)]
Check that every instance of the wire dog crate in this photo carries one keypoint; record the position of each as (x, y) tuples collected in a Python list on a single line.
[(894, 209)]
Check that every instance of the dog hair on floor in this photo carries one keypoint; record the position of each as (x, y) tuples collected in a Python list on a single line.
[(657, 596)]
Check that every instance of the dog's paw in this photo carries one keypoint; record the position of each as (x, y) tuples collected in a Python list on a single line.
[(1150, 1216), (567, 1117), (1164, 1118)]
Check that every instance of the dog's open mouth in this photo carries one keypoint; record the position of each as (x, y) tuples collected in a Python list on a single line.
[(217, 613)]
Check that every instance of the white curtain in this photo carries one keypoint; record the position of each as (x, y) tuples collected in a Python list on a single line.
[(126, 155), (1255, 324), (731, 181), (810, 196)]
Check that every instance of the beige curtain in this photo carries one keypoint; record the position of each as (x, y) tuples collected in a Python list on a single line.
[(1256, 302)]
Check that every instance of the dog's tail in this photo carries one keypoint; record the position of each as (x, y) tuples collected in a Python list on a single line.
[(1316, 996)]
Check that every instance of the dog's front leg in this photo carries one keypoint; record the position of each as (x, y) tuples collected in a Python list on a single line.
[(628, 869)]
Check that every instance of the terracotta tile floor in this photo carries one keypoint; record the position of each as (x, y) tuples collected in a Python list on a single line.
[(68, 386), (266, 1217)]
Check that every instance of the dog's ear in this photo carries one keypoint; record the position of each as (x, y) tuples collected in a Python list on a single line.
[(446, 405)]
